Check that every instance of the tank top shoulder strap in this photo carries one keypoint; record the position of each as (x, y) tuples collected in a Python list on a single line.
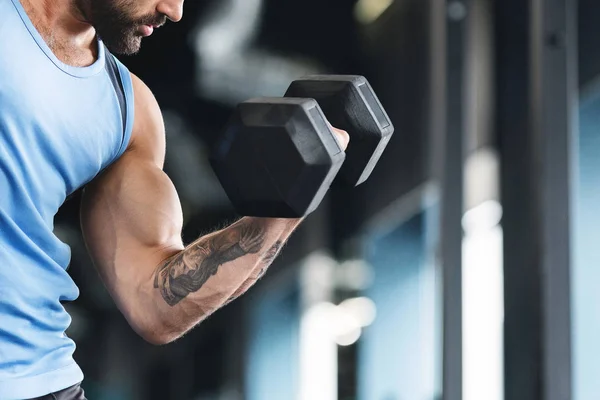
[(120, 78)]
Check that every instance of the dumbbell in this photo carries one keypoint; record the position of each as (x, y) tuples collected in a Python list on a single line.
[(278, 156)]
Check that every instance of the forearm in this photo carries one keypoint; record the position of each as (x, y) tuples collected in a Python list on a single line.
[(193, 283)]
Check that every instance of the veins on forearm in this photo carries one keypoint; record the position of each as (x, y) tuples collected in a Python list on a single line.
[(189, 270)]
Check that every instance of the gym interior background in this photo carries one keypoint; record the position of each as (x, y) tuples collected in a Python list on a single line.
[(464, 268)]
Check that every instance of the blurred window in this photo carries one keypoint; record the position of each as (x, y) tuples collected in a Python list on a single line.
[(586, 256), (398, 352), (273, 348)]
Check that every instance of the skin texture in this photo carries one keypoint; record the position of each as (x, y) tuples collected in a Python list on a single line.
[(131, 216)]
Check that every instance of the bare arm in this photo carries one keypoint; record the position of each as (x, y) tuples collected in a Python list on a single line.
[(132, 222), (188, 271)]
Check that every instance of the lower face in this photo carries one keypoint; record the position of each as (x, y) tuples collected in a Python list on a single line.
[(121, 24)]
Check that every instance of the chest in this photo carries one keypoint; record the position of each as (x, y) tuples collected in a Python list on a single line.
[(60, 118), (57, 131)]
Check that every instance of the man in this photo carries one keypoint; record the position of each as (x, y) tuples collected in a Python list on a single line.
[(72, 115)]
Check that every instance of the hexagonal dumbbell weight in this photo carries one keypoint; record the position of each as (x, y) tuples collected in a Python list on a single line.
[(278, 156)]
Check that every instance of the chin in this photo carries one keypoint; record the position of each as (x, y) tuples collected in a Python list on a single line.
[(128, 47)]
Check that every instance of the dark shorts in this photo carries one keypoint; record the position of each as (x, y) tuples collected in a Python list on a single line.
[(74, 392)]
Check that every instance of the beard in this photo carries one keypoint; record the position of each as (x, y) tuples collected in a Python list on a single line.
[(116, 24)]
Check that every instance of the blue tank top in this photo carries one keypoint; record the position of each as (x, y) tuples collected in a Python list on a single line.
[(59, 127)]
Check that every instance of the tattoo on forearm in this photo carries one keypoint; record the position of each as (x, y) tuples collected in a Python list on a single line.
[(271, 254), (268, 258), (188, 271)]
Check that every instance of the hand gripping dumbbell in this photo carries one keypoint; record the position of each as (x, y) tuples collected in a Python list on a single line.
[(278, 157)]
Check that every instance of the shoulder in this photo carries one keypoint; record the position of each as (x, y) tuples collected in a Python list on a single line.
[(148, 133)]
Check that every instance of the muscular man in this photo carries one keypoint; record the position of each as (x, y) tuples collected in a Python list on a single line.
[(72, 115)]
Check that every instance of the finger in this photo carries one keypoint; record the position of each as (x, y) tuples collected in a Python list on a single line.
[(342, 137)]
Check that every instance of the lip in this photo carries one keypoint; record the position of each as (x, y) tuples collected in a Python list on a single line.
[(146, 30)]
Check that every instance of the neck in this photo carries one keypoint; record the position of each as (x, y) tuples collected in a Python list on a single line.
[(63, 24)]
